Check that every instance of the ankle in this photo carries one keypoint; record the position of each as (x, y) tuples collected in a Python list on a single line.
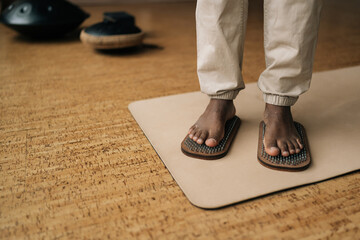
[(221, 107), (277, 109), (221, 102), (277, 113)]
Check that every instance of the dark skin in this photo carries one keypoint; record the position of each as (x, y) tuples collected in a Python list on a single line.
[(280, 137)]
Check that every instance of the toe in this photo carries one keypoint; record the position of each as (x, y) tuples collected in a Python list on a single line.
[(283, 148), (197, 135), (271, 148), (211, 142), (291, 147), (296, 145), (213, 139), (202, 137), (191, 129), (299, 143), (192, 133)]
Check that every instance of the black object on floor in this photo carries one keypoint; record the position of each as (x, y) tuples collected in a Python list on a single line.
[(117, 30), (43, 18)]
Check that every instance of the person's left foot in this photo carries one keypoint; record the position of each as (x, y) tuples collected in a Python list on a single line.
[(281, 135)]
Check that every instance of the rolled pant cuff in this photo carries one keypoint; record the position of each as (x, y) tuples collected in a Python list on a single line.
[(229, 95), (279, 100)]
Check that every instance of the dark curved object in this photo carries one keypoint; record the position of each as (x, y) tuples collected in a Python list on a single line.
[(115, 23), (43, 18)]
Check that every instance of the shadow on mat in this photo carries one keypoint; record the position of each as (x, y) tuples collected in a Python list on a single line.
[(130, 50)]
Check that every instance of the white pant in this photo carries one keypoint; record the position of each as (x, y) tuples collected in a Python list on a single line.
[(290, 35)]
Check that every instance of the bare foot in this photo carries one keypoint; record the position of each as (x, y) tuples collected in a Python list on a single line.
[(281, 135), (210, 127)]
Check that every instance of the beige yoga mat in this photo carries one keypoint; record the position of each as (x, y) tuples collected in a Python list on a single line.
[(330, 112)]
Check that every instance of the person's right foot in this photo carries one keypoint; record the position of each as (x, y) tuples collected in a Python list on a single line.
[(210, 127)]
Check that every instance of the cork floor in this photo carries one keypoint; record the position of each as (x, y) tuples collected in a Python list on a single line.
[(75, 165)]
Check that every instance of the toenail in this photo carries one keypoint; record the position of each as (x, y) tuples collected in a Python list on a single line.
[(211, 142), (285, 153), (190, 135)]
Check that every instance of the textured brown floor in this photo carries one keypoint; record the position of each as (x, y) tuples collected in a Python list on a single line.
[(74, 163)]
